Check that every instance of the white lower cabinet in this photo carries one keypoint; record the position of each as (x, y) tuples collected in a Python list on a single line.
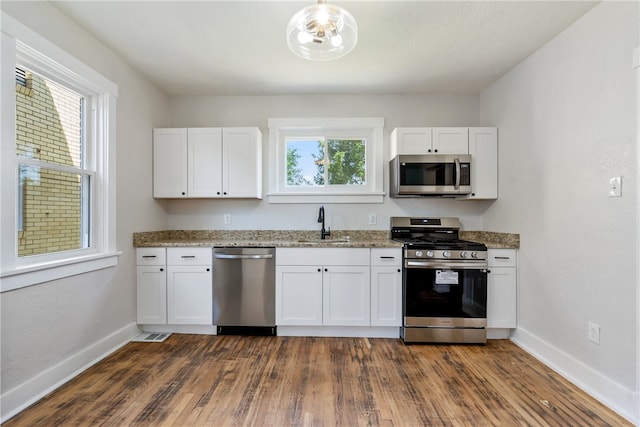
[(189, 295), (152, 295), (151, 277), (298, 294), (174, 286), (386, 287), (346, 295), (502, 288), (322, 286)]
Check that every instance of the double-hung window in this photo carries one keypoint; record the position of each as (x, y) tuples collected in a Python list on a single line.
[(330, 160), (58, 170)]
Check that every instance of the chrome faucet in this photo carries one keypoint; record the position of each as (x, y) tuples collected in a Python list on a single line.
[(323, 233)]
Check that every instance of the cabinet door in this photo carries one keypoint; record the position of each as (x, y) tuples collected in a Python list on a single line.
[(242, 167), (411, 141), (151, 295), (169, 163), (501, 298), (298, 295), (190, 295), (386, 296), (346, 296), (483, 147), (451, 140), (205, 162)]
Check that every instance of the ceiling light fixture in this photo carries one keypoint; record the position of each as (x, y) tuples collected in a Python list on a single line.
[(322, 32)]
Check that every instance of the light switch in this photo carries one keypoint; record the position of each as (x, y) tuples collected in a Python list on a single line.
[(615, 186)]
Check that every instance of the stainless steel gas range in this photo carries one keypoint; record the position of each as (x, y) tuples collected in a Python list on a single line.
[(444, 282)]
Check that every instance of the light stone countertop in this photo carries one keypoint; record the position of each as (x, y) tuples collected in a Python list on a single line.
[(264, 238), (492, 239), (299, 239)]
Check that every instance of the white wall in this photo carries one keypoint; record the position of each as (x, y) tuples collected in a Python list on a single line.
[(567, 125), (397, 110), (51, 330)]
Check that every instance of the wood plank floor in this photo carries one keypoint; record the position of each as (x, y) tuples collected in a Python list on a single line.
[(200, 380)]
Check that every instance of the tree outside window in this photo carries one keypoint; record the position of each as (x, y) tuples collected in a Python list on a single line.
[(326, 162)]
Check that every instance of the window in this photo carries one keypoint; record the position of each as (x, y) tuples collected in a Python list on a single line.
[(58, 170), (53, 178), (326, 162), (337, 160)]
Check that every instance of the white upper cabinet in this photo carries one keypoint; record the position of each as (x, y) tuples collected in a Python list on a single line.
[(417, 140), (170, 163), (483, 147), (207, 163), (411, 141), (242, 162), (204, 162), (451, 140)]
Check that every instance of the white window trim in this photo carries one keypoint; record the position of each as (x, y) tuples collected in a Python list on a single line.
[(278, 131), (18, 41)]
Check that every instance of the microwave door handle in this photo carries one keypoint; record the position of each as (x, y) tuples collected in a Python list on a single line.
[(457, 162)]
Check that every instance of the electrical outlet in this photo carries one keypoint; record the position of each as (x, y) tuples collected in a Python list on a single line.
[(372, 219), (227, 219), (594, 332), (615, 186)]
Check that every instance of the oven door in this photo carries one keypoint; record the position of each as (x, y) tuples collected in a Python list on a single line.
[(443, 295)]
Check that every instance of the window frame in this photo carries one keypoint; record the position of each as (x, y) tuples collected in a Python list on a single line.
[(368, 128), (21, 45)]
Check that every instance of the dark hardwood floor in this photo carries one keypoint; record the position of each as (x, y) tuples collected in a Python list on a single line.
[(200, 380)]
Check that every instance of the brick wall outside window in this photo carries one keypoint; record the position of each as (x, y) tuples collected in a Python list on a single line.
[(49, 129)]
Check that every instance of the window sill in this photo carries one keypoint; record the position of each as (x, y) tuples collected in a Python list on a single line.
[(46, 272), (326, 198)]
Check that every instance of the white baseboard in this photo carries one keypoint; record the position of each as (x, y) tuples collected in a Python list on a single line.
[(32, 390), (620, 399)]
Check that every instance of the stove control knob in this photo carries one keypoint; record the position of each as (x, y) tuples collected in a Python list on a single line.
[(474, 255), (463, 254), (429, 254), (419, 253), (446, 254)]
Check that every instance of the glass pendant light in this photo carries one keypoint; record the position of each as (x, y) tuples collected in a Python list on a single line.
[(322, 32)]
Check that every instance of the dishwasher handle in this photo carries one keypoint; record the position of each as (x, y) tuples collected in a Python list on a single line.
[(228, 256)]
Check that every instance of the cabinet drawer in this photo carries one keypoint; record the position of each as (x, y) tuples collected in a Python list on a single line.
[(322, 256), (189, 256), (502, 257), (386, 256), (151, 256)]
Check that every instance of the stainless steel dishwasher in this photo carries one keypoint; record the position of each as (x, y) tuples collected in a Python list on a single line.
[(244, 291)]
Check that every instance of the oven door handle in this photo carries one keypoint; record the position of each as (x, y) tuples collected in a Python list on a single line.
[(457, 162), (466, 265)]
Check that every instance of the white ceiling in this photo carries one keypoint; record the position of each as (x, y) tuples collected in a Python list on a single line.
[(239, 47)]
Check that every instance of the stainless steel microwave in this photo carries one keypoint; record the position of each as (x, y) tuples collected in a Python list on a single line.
[(430, 175)]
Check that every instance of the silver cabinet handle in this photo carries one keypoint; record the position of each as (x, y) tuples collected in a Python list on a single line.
[(187, 256), (227, 256), (502, 257)]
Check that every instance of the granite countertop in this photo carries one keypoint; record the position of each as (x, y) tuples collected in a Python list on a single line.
[(264, 238), (492, 239), (299, 239)]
